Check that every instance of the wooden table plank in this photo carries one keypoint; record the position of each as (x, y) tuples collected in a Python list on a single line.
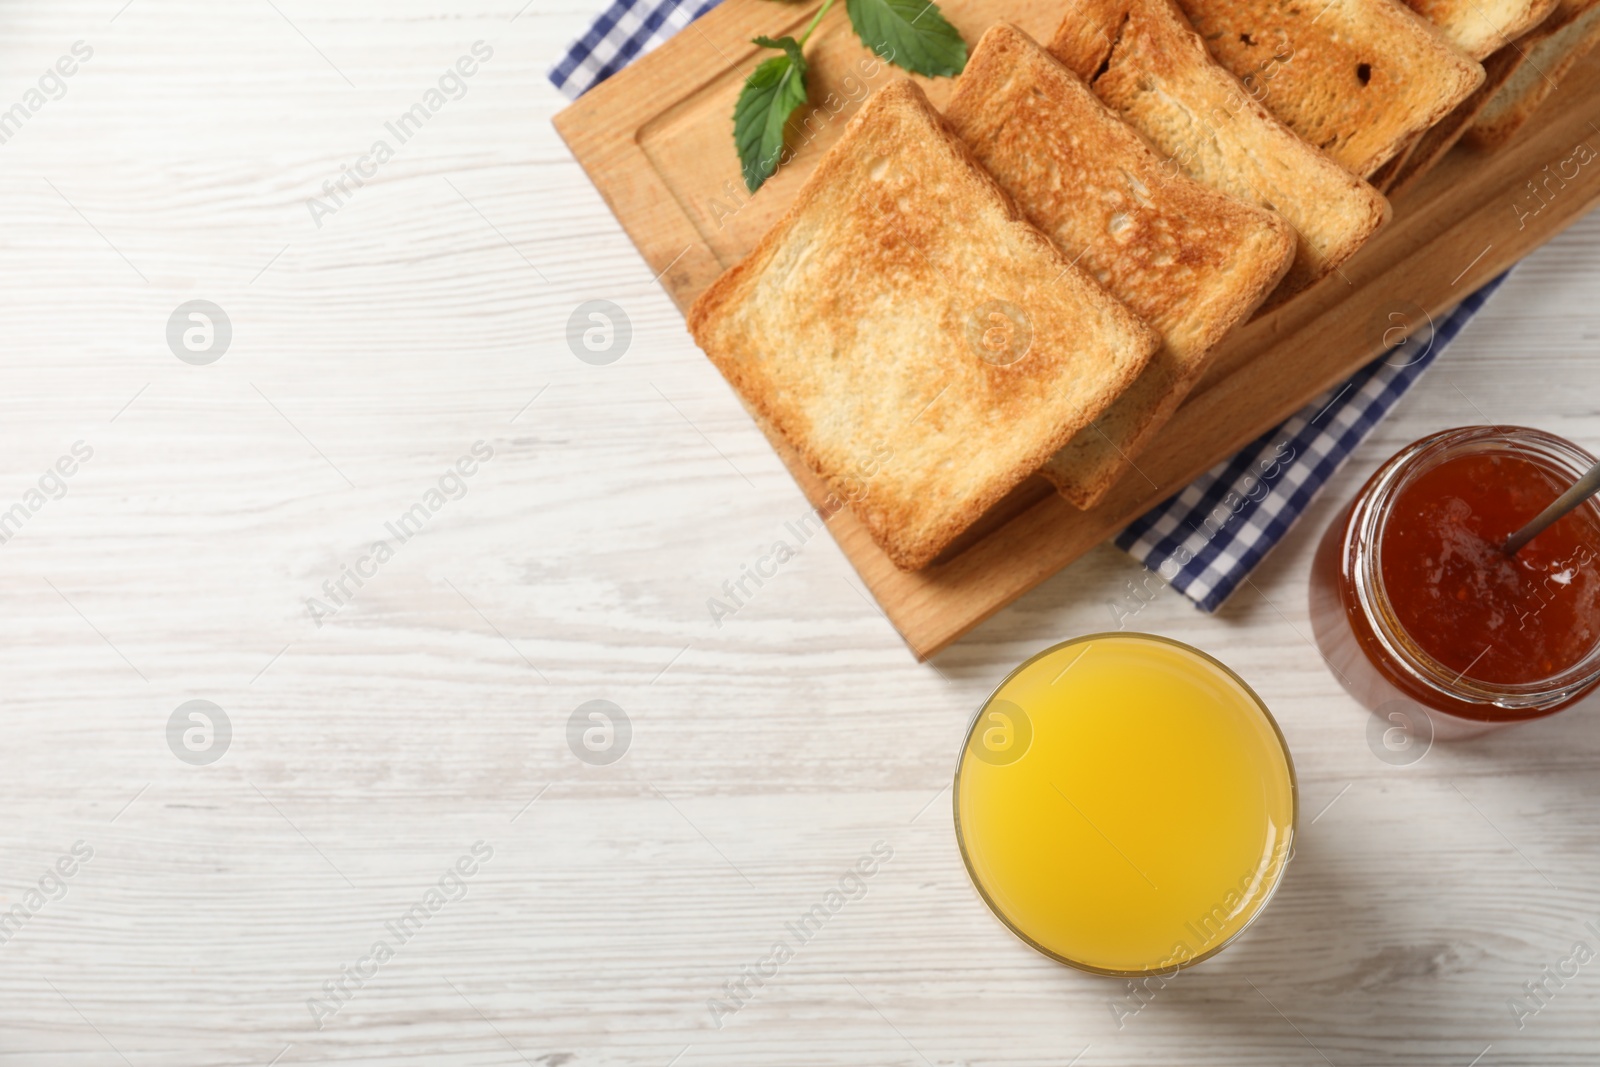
[(405, 727)]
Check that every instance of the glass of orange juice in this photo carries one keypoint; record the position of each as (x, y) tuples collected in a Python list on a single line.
[(1125, 804)]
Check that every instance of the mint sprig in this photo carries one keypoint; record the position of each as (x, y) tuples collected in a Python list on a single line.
[(911, 34)]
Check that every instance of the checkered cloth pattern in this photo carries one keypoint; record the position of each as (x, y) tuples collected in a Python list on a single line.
[(1205, 540), (623, 32)]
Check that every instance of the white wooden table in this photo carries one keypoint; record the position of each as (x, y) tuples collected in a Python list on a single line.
[(372, 748)]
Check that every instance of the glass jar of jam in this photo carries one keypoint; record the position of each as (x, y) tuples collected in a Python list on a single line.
[(1415, 604)]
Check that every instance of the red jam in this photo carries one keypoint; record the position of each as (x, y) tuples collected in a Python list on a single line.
[(1416, 608), (1488, 616)]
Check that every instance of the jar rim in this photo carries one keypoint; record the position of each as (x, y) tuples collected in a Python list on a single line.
[(1364, 548)]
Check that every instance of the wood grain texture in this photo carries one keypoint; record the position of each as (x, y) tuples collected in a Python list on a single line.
[(777, 747), (1457, 229)]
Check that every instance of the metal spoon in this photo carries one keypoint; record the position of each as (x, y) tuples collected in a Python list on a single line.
[(1581, 490)]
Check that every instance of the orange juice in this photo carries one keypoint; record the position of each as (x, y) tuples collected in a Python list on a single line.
[(1124, 803)]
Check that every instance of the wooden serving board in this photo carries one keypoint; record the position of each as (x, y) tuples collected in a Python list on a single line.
[(656, 139)]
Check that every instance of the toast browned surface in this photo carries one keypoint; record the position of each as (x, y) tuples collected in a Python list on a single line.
[(1481, 27), (1145, 62), (1356, 78), (1574, 32), (916, 341), (1437, 142), (1188, 260)]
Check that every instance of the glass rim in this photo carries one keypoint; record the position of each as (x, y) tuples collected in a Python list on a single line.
[(1283, 750), (1369, 521)]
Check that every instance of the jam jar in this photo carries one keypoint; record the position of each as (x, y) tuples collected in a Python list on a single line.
[(1419, 611)]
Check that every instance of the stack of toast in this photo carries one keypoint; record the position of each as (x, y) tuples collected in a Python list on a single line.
[(1033, 281)]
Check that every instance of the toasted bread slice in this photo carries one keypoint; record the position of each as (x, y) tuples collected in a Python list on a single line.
[(1481, 27), (1476, 28), (920, 344), (1545, 66), (1437, 142), (1149, 66), (1499, 68), (1356, 78), (1190, 261)]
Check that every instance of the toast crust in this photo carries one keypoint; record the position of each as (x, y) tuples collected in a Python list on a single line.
[(1144, 60), (1384, 177), (1569, 35), (1482, 27), (1190, 261), (877, 327), (1356, 78)]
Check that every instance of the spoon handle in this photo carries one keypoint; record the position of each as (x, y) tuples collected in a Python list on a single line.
[(1581, 490)]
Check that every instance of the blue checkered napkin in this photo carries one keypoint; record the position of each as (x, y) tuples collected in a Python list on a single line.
[(1205, 540), (1208, 538), (623, 32)]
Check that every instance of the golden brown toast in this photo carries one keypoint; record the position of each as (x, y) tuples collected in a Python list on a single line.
[(1188, 260), (1437, 142), (918, 343), (1356, 78), (1481, 27), (1569, 36), (1147, 64)]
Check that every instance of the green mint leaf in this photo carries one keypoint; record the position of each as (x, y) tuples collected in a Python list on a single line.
[(788, 45), (772, 93), (911, 34)]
